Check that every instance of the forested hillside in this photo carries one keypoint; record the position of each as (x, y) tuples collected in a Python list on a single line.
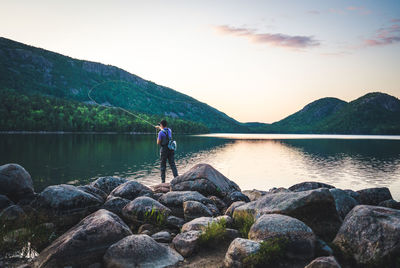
[(39, 113)]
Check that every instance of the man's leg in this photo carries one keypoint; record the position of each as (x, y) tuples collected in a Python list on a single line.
[(164, 157), (171, 161)]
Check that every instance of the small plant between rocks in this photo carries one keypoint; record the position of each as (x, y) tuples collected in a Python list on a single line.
[(156, 217), (243, 222), (271, 254), (215, 232)]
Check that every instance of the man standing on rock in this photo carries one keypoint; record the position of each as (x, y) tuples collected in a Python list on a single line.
[(164, 136)]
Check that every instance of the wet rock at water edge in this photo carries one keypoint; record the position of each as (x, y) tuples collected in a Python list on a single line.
[(309, 185), (86, 242), (206, 180), (107, 184), (370, 236), (186, 242), (140, 251), (343, 201), (93, 191), (373, 196), (131, 190), (15, 182)]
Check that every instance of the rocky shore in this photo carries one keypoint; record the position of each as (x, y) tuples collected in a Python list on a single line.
[(199, 219)]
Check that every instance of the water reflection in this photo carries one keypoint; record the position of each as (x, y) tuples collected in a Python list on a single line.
[(254, 163)]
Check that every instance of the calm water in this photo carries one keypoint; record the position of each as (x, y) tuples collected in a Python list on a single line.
[(252, 161)]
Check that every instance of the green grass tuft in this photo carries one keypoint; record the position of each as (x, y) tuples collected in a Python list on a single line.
[(214, 233), (155, 217), (243, 222), (271, 254)]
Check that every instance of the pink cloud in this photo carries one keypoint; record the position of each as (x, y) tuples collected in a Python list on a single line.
[(362, 10), (276, 40), (385, 36)]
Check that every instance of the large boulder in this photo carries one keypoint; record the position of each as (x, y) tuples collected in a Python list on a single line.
[(140, 251), (107, 184), (85, 243), (175, 200), (324, 262), (144, 209), (390, 203), (238, 250), (343, 201), (206, 180), (198, 224), (309, 185), (194, 209), (299, 238), (15, 182), (93, 191), (370, 235), (66, 204), (131, 189), (186, 243), (316, 208), (373, 196), (115, 204)]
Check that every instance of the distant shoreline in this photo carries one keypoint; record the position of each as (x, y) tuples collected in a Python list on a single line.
[(73, 132)]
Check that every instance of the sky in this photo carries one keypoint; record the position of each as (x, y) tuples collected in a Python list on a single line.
[(254, 60)]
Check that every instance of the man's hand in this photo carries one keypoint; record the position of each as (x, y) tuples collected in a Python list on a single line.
[(157, 127)]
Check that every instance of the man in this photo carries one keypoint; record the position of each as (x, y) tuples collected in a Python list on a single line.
[(164, 136)]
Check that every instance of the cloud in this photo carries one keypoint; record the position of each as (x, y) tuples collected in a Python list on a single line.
[(385, 36), (313, 12), (276, 40), (362, 10), (395, 20)]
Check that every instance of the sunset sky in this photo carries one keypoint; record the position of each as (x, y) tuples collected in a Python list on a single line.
[(253, 60)]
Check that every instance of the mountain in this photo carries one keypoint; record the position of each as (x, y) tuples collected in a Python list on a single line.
[(30, 70), (374, 113)]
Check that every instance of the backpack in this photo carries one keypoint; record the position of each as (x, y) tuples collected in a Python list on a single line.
[(171, 144)]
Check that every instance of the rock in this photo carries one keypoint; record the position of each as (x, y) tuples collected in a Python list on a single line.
[(218, 203), (157, 196), (65, 204), (175, 222), (198, 224), (174, 200), (322, 248), (228, 220), (353, 194), (161, 188), (299, 238), (235, 197), (86, 242), (107, 184), (162, 237), (316, 208), (194, 209), (238, 250), (206, 180), (132, 189), (144, 209), (115, 204), (147, 228), (324, 262), (15, 182), (390, 204), (231, 233), (278, 190), (213, 208), (254, 194), (140, 251), (233, 206), (309, 185), (5, 202), (13, 214), (93, 191), (186, 243), (344, 202), (370, 235), (373, 196)]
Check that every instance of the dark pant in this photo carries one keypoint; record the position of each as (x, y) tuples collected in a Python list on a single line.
[(167, 154)]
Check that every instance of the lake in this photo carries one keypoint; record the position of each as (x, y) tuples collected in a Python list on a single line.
[(253, 161)]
